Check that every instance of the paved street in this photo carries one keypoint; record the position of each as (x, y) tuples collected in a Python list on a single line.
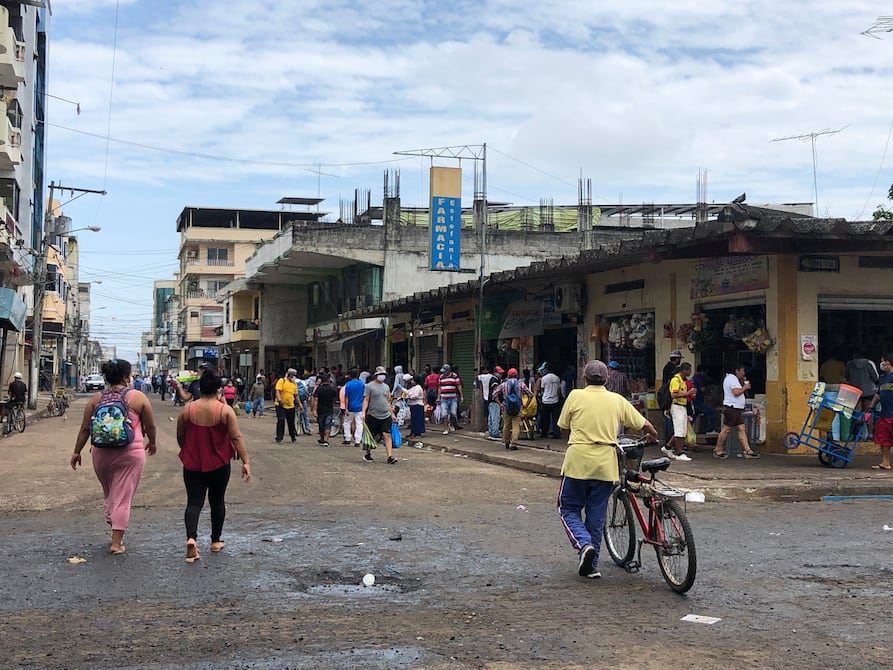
[(472, 569)]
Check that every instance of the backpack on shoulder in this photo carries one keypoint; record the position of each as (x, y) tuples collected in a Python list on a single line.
[(664, 397), (512, 399), (110, 424)]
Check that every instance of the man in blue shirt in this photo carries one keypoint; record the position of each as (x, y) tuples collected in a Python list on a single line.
[(883, 429), (353, 416)]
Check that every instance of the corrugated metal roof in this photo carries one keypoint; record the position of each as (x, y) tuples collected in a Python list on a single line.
[(737, 227)]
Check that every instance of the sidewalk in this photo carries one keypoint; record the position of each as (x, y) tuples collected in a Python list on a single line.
[(781, 477)]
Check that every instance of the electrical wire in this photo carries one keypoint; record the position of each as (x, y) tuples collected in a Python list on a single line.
[(108, 127), (859, 214)]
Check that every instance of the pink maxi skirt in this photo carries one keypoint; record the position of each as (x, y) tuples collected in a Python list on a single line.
[(119, 471)]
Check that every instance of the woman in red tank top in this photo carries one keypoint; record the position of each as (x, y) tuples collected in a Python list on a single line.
[(209, 437)]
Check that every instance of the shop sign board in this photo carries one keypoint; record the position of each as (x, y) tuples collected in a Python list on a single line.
[(729, 274), (523, 318), (446, 218), (813, 263)]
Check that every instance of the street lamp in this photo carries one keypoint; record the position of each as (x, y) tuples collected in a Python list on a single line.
[(39, 297)]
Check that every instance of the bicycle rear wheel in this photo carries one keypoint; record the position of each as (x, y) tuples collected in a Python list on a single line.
[(18, 419), (676, 555), (336, 425), (620, 533)]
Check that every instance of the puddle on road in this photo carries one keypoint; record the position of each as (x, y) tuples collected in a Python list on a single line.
[(354, 590)]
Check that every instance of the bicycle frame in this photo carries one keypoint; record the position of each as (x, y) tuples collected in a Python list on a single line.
[(652, 531), (666, 527)]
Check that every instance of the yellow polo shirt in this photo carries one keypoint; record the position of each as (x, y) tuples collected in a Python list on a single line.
[(678, 385), (287, 392), (593, 415)]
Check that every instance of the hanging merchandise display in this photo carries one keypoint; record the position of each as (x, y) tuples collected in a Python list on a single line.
[(629, 340)]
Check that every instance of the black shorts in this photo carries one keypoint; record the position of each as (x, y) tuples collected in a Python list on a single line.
[(378, 427), (732, 416)]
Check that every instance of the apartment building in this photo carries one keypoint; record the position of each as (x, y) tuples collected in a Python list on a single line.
[(214, 245), (23, 67)]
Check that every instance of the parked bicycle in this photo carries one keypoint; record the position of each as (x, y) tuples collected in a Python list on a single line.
[(666, 527), (58, 404), (337, 418), (13, 417)]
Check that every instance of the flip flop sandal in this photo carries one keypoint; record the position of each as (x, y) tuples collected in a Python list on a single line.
[(880, 467)]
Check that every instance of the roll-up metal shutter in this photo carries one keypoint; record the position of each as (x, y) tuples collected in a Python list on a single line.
[(852, 302), (429, 352), (461, 354)]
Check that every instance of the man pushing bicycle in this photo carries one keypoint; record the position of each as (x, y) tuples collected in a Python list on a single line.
[(590, 420)]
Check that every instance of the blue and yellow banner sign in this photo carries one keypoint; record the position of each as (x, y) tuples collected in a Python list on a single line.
[(446, 218)]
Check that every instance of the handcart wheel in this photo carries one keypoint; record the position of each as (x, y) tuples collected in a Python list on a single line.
[(825, 459), (840, 456), (792, 440)]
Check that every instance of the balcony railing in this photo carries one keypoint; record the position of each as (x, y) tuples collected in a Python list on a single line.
[(210, 263), (246, 324), (201, 295), (10, 145)]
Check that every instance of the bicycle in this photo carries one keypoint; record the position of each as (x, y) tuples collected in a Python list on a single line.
[(14, 417), (337, 418), (667, 528), (58, 404)]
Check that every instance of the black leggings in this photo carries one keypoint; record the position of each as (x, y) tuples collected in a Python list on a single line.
[(197, 485)]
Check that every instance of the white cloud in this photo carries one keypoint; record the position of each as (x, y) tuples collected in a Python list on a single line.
[(640, 96)]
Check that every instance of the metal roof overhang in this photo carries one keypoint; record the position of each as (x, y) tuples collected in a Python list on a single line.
[(737, 234), (352, 339)]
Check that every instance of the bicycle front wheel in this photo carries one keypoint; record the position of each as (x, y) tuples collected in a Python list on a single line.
[(336, 425), (620, 533), (676, 554), (18, 419)]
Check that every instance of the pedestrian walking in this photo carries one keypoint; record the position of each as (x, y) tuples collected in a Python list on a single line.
[(119, 468), (378, 413), (256, 395), (883, 429), (734, 386), (509, 391), (449, 395), (681, 394), (352, 425), (618, 381), (287, 402), (415, 400), (209, 438), (323, 407), (550, 386), (589, 419)]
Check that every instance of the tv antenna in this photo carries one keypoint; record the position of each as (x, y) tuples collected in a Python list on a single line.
[(883, 24), (811, 137)]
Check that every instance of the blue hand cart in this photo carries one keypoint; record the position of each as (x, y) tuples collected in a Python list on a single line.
[(831, 410)]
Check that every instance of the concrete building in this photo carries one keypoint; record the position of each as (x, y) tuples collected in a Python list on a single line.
[(23, 68), (779, 293), (214, 245), (164, 317)]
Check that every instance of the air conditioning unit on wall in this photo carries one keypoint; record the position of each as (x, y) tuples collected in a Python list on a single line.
[(567, 298), (192, 253)]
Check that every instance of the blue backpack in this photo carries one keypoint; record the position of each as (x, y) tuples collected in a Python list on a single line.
[(110, 423), (512, 399), (302, 390)]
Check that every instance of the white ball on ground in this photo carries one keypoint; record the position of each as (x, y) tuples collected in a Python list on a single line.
[(368, 579)]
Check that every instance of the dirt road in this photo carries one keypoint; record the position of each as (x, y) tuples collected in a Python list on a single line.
[(472, 571)]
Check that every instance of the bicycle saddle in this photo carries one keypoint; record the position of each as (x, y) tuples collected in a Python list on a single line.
[(655, 465)]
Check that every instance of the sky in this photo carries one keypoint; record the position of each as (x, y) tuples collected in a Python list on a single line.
[(227, 103)]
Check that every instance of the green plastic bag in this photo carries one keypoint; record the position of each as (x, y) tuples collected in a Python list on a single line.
[(691, 438), (368, 441)]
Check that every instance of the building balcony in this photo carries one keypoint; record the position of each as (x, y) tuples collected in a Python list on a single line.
[(205, 267), (241, 330), (12, 54), (10, 145)]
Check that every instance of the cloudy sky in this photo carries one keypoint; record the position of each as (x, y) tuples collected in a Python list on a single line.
[(229, 103)]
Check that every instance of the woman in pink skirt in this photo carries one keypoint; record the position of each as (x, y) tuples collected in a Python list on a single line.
[(119, 468)]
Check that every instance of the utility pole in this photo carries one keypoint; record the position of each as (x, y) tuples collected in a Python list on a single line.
[(40, 288)]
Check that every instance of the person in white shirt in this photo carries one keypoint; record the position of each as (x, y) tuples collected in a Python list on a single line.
[(550, 385), (734, 386)]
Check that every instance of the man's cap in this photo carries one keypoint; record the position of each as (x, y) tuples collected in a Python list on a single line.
[(675, 354), (513, 372), (18, 375), (446, 368), (498, 370), (614, 364), (381, 370), (407, 377), (291, 371), (595, 369), (260, 377), (204, 365), (543, 367)]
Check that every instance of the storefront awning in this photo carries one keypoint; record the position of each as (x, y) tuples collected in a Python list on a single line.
[(12, 310), (353, 339)]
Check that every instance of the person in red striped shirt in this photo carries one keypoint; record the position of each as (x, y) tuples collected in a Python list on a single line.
[(449, 395)]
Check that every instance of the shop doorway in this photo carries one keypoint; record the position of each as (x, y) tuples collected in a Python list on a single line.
[(558, 346), (727, 339)]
